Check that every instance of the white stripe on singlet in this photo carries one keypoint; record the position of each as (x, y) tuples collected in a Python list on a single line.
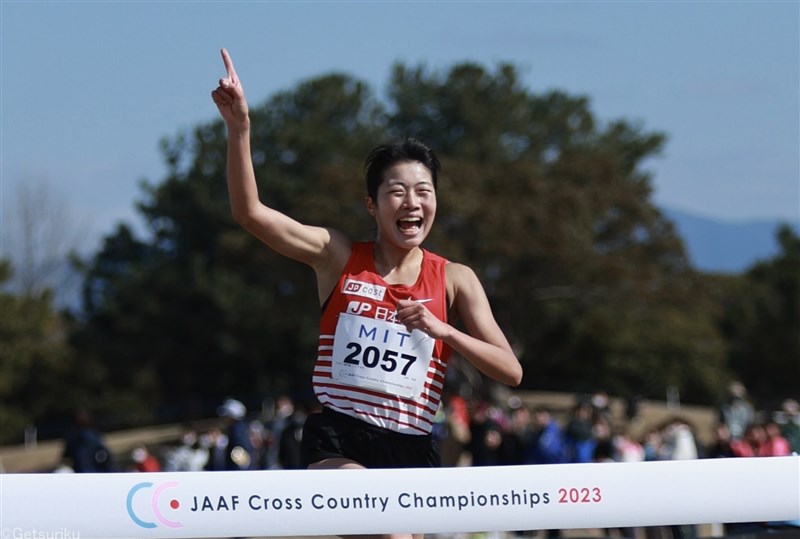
[(409, 416)]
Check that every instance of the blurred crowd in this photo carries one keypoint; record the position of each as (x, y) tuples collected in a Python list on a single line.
[(236, 441), (470, 432), (483, 434)]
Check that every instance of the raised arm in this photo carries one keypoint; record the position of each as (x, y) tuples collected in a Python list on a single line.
[(320, 248)]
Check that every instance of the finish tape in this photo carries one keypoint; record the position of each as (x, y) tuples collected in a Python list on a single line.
[(442, 500)]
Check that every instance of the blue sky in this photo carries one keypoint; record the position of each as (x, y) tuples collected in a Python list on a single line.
[(89, 88)]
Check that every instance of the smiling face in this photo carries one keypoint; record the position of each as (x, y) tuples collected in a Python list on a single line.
[(405, 206)]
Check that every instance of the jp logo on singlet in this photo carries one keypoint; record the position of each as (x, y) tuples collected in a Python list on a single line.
[(365, 290), (380, 355)]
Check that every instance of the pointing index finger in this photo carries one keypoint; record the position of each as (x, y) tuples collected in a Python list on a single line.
[(226, 58)]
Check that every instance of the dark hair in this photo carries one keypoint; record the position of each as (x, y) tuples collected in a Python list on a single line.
[(388, 155)]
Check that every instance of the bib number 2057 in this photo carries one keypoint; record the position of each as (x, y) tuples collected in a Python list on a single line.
[(380, 355), (370, 357)]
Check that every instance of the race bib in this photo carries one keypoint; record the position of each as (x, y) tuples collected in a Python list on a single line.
[(380, 355)]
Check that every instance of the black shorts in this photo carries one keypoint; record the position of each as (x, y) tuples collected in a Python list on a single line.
[(331, 434)]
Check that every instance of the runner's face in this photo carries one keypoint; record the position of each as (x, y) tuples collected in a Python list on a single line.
[(406, 204)]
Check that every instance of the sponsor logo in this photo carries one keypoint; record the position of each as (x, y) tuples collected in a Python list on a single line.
[(141, 517), (365, 290), (358, 307)]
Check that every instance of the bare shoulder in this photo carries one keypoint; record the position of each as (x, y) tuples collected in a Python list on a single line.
[(462, 284), (460, 275), (470, 304)]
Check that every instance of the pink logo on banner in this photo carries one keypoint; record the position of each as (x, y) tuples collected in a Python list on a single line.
[(174, 504)]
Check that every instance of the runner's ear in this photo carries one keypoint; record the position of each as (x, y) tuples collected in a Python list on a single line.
[(371, 207)]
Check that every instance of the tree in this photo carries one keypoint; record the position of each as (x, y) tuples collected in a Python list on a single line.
[(40, 234), (41, 378), (761, 321)]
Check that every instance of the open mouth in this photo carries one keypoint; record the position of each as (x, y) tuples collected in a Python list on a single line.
[(410, 225)]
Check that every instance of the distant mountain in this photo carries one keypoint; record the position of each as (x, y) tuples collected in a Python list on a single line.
[(726, 246)]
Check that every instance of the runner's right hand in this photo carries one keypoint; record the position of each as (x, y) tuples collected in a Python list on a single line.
[(229, 97)]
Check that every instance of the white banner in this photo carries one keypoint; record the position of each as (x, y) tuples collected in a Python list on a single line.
[(444, 500)]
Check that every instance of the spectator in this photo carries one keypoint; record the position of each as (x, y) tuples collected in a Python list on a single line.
[(215, 443), (679, 441), (603, 451), (290, 439), (601, 405), (680, 444), (259, 442), (578, 436), (775, 445), (737, 412), (517, 437), (601, 429), (456, 424), (144, 461), (721, 447), (752, 444), (84, 447), (188, 456), (284, 408), (486, 437), (239, 454), (653, 445), (632, 405), (789, 421), (547, 442), (626, 449)]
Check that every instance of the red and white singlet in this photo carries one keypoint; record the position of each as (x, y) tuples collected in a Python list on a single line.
[(368, 365)]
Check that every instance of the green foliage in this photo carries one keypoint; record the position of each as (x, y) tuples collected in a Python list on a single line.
[(37, 365), (761, 321)]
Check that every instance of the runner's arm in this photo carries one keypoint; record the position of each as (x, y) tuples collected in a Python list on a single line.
[(484, 344), (318, 247)]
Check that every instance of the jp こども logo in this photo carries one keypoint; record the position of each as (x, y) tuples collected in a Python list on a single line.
[(140, 510)]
